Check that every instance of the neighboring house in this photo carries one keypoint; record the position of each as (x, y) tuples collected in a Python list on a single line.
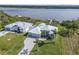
[(43, 30), (19, 26)]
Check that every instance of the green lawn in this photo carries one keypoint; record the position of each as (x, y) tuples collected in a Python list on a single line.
[(50, 47), (60, 46), (11, 43)]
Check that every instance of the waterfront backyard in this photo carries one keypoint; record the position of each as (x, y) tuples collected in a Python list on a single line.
[(66, 41)]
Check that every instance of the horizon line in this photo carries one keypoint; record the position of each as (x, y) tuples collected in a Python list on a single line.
[(37, 5)]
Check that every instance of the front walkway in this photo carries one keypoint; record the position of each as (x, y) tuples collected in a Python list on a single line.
[(28, 46)]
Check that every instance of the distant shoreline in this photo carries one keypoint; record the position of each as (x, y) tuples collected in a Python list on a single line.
[(43, 7)]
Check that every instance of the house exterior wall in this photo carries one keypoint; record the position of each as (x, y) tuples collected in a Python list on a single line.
[(44, 33), (15, 28), (33, 35), (7, 29)]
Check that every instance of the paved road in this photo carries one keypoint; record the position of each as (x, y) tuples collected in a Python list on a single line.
[(28, 46), (3, 33)]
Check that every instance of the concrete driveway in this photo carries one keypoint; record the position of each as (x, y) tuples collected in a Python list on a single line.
[(28, 46)]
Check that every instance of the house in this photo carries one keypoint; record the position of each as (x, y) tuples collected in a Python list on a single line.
[(18, 27), (43, 30), (47, 30)]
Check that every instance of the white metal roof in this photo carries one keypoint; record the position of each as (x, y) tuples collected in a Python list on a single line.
[(52, 27), (35, 30), (20, 24), (43, 26)]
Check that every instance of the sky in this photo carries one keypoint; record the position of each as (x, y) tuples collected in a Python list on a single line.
[(39, 2)]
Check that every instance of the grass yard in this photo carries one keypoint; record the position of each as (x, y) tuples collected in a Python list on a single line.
[(50, 47), (71, 45), (61, 46), (11, 43)]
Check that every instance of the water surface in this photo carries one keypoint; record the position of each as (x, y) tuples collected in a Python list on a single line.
[(58, 14)]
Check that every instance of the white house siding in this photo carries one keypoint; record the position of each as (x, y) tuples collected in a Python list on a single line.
[(33, 35), (25, 30)]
